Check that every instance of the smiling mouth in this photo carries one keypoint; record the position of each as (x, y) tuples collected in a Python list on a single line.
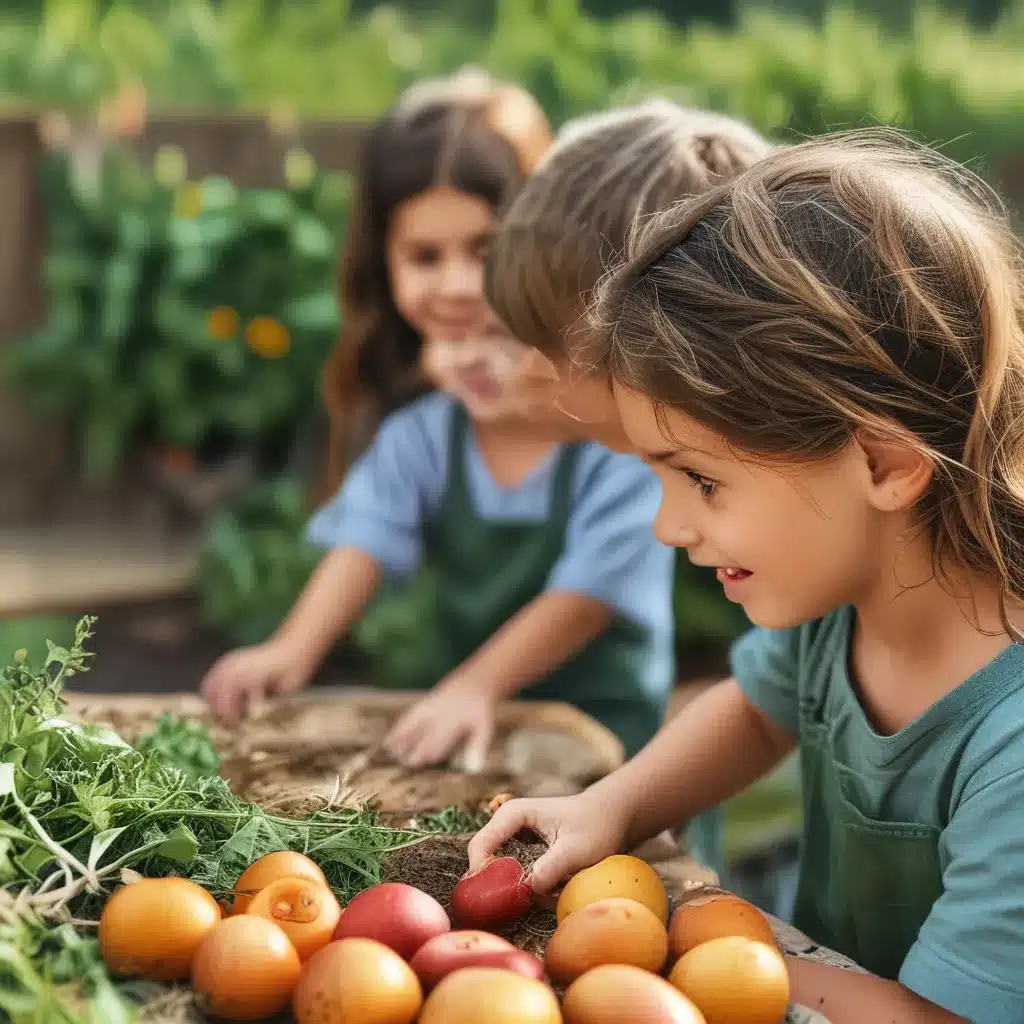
[(728, 574)]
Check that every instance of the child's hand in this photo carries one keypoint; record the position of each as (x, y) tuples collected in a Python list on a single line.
[(244, 677), (454, 713), (580, 831)]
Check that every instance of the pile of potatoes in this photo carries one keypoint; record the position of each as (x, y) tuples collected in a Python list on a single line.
[(716, 962)]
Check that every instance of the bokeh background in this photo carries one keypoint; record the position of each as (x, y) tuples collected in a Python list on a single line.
[(175, 181)]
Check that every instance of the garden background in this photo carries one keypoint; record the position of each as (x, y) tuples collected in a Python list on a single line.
[(175, 182)]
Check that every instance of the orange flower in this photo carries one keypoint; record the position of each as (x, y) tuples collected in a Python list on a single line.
[(267, 337), (222, 323), (188, 200)]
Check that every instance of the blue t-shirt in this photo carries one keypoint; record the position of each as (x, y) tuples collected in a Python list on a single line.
[(959, 768), (610, 553)]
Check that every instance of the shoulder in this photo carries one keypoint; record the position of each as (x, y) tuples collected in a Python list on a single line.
[(994, 750), (429, 415)]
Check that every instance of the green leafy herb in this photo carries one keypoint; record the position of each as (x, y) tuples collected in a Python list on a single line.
[(78, 805), (185, 745)]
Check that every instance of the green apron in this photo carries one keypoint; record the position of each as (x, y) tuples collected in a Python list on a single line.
[(478, 574), (485, 572), (866, 886)]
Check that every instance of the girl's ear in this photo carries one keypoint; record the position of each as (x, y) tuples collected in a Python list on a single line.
[(897, 473)]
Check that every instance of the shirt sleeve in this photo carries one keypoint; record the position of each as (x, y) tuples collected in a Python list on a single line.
[(967, 958), (765, 663), (381, 506), (611, 553)]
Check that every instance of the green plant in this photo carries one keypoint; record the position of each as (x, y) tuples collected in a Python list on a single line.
[(255, 561), (183, 314), (78, 806)]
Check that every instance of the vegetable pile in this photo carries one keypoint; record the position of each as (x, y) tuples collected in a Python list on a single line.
[(79, 807), (124, 869), (391, 956)]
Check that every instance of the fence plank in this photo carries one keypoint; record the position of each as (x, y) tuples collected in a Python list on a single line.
[(32, 454), (247, 149)]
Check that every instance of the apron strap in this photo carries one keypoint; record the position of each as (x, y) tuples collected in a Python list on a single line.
[(560, 510)]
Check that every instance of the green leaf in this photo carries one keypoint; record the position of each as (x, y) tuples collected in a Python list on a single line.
[(101, 843), (181, 846), (7, 786)]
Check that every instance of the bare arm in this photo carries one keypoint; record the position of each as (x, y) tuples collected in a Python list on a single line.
[(537, 639), (461, 708), (845, 997), (715, 747), (336, 593)]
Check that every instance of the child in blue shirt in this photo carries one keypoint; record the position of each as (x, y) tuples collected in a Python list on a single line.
[(549, 581), (823, 359)]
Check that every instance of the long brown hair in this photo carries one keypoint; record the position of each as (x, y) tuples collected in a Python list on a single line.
[(575, 212), (855, 281), (466, 132)]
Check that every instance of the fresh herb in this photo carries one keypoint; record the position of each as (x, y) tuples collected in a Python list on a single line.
[(78, 806), (187, 746)]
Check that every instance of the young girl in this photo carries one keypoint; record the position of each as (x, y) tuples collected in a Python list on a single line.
[(824, 362), (549, 579)]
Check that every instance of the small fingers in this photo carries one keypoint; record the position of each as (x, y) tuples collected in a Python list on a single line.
[(402, 737), (478, 744), (507, 821), (434, 744), (559, 862)]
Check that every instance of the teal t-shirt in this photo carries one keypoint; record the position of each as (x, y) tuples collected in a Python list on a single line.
[(958, 769)]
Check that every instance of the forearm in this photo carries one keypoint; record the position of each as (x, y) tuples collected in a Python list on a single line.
[(336, 593), (539, 638), (714, 748), (846, 997)]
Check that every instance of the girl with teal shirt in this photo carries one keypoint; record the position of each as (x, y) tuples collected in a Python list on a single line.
[(823, 360)]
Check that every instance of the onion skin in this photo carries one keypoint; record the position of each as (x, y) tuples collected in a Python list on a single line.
[(442, 955), (269, 868), (246, 969), (152, 928), (357, 981), (305, 911), (498, 894), (398, 915)]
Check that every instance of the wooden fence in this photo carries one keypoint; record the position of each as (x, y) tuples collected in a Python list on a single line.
[(35, 457)]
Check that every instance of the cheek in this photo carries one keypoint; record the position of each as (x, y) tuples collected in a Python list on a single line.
[(410, 286)]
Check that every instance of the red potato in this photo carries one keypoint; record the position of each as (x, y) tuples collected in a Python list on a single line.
[(400, 916), (498, 894), (443, 954)]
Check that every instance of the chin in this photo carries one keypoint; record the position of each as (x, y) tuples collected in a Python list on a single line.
[(776, 618)]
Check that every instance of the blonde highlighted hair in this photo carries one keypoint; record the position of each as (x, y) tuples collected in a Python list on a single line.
[(465, 131), (857, 281), (574, 214)]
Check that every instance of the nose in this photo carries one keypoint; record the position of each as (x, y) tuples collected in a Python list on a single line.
[(673, 532), (462, 279)]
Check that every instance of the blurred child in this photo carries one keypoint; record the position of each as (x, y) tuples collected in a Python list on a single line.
[(574, 216), (550, 583), (568, 221), (824, 361)]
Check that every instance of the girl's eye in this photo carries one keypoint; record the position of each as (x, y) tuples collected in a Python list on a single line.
[(702, 483), (425, 257)]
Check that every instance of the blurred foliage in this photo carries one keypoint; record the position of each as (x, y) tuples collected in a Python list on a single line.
[(255, 561), (171, 300), (837, 66), (188, 315)]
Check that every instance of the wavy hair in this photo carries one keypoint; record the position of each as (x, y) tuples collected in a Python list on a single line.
[(859, 280)]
